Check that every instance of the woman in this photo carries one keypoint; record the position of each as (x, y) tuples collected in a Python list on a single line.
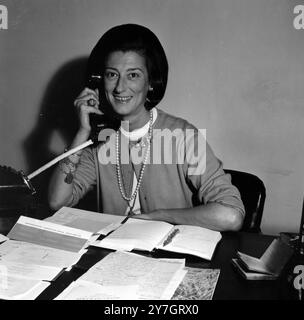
[(130, 164)]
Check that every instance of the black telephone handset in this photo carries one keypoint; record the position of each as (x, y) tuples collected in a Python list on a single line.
[(108, 119)]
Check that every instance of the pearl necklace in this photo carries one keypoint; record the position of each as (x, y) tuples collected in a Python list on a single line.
[(118, 169)]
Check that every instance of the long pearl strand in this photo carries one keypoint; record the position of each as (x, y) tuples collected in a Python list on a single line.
[(118, 169)]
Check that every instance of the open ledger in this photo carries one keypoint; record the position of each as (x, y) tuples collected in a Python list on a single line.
[(148, 235)]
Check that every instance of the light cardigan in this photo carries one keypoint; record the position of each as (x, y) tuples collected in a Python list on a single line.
[(164, 186)]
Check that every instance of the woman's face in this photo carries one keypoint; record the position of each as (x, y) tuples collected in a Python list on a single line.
[(126, 83)]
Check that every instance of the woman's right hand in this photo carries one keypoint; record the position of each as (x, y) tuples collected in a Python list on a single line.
[(86, 103)]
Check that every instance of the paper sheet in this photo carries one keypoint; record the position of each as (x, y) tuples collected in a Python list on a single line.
[(49, 234), (20, 288), (17, 251), (154, 277), (194, 240), (30, 271), (136, 234), (82, 290), (95, 222)]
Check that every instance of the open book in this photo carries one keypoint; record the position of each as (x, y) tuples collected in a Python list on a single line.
[(269, 266), (148, 235)]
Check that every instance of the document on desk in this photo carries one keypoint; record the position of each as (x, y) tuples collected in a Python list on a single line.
[(194, 240), (29, 271), (155, 278), (83, 290), (99, 223), (32, 254), (49, 234), (148, 235), (136, 234), (15, 288)]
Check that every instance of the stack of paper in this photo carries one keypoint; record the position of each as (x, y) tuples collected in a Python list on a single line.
[(39, 252), (122, 275)]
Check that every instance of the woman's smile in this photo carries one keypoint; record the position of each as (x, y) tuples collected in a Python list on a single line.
[(123, 100)]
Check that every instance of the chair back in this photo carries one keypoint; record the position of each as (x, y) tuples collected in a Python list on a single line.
[(253, 194)]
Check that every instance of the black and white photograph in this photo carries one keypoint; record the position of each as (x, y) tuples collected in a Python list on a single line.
[(151, 152)]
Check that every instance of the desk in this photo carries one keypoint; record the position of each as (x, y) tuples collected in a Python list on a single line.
[(230, 286)]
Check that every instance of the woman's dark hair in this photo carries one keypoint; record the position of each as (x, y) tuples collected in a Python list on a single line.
[(133, 37)]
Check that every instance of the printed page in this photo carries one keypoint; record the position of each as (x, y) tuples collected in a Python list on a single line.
[(30, 271), (16, 251), (20, 288), (276, 256), (174, 283), (136, 234), (49, 234), (35, 291), (154, 277), (193, 240), (83, 290), (95, 222)]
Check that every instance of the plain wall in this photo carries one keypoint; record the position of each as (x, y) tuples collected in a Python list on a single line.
[(236, 69)]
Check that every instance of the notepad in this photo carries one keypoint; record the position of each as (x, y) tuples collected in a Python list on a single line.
[(148, 235)]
